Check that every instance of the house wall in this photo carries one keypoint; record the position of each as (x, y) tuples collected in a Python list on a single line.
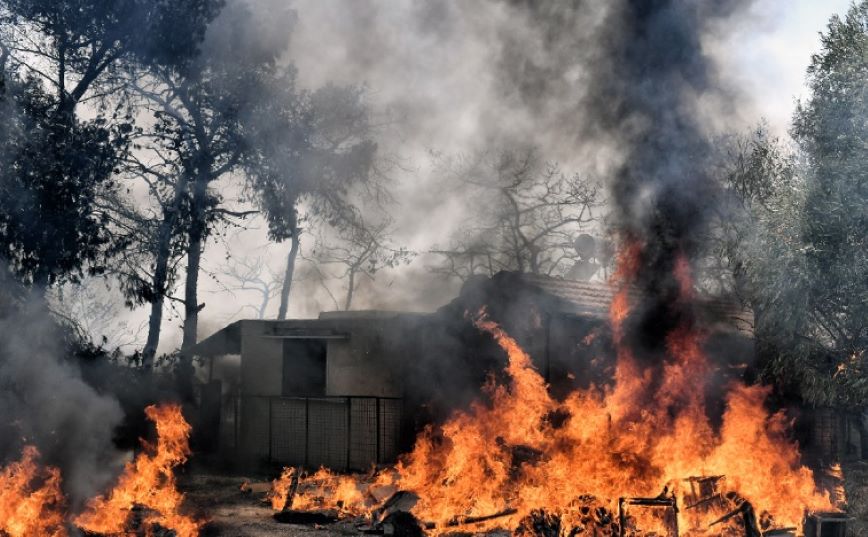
[(319, 431), (366, 364), (261, 361)]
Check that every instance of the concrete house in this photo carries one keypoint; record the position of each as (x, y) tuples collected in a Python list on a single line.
[(312, 392)]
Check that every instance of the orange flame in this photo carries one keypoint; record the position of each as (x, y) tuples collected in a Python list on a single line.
[(324, 489), (280, 489), (31, 502), (148, 482), (631, 439), (837, 474)]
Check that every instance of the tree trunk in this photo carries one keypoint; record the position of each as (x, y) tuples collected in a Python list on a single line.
[(287, 277), (863, 435), (191, 291), (196, 234), (194, 257), (351, 287), (161, 273), (263, 306), (155, 320)]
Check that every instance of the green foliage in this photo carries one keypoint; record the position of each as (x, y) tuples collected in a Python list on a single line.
[(55, 168), (315, 146), (832, 131), (757, 178), (803, 261), (91, 35), (57, 54)]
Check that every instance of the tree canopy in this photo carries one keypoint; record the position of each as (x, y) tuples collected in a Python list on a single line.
[(57, 55), (807, 266)]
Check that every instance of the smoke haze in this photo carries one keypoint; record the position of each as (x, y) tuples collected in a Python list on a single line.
[(458, 78), (45, 402), (455, 77)]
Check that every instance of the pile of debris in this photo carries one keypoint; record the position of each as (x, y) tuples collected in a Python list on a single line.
[(378, 508)]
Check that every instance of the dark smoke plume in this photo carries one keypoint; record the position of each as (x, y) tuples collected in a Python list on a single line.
[(649, 92)]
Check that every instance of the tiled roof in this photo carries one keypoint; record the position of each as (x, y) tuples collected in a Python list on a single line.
[(594, 298), (573, 296)]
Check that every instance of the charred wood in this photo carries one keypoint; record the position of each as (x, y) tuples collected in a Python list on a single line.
[(293, 489), (289, 516), (665, 500), (402, 524), (539, 523), (748, 519), (461, 521), (400, 501)]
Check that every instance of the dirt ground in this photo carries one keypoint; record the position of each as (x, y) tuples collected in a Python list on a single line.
[(232, 512)]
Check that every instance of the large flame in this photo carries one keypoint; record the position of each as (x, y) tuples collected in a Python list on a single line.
[(148, 483), (524, 450), (31, 502)]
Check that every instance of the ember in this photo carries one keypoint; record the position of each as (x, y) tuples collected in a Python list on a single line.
[(634, 438)]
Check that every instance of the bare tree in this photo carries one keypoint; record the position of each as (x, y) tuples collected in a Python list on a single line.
[(151, 242), (526, 214), (92, 308), (252, 276), (752, 170), (355, 250)]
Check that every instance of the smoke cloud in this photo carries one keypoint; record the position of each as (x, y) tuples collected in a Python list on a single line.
[(586, 82), (650, 94), (45, 402)]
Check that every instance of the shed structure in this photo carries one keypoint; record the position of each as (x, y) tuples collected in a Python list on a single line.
[(312, 392)]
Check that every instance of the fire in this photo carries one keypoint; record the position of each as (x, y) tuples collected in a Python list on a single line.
[(33, 505), (281, 488), (837, 474), (523, 450), (148, 482), (324, 489), (31, 502)]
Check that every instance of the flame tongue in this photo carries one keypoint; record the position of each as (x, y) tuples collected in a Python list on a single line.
[(148, 482), (31, 502)]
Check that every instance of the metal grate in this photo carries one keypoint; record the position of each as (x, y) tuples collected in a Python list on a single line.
[(337, 432), (255, 427), (327, 434), (389, 431), (228, 424), (363, 433), (288, 431)]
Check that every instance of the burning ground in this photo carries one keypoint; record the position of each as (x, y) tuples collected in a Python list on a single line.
[(661, 446), (640, 455)]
